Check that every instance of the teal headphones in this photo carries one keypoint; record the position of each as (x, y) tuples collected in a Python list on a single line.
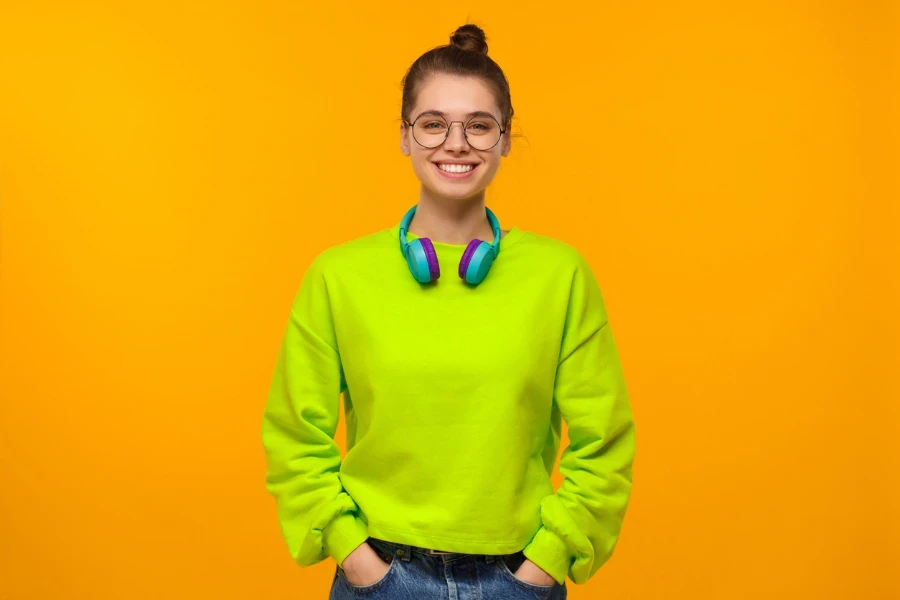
[(473, 266)]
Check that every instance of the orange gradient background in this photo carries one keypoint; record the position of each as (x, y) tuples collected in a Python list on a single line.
[(169, 170)]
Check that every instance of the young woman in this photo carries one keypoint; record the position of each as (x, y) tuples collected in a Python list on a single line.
[(454, 387)]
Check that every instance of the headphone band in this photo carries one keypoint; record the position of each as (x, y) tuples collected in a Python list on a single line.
[(407, 218)]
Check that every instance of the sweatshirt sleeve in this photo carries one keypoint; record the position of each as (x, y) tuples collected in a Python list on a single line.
[(582, 520), (317, 516)]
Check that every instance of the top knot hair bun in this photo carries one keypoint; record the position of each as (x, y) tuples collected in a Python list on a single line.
[(470, 38), (465, 56)]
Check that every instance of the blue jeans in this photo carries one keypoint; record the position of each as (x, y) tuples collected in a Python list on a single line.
[(415, 574)]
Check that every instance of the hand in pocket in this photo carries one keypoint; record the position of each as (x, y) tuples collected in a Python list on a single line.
[(531, 573), (364, 567)]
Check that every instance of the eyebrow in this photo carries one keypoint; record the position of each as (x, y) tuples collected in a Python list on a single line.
[(477, 113)]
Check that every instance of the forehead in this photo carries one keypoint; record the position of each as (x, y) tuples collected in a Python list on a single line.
[(455, 96)]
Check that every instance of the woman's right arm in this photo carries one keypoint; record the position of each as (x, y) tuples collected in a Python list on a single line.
[(318, 518)]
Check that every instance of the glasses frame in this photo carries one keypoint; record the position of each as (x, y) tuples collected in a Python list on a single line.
[(449, 127)]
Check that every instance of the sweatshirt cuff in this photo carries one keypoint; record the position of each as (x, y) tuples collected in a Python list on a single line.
[(343, 535), (548, 551)]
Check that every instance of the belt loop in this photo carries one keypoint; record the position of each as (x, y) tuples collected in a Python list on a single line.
[(489, 558), (405, 552)]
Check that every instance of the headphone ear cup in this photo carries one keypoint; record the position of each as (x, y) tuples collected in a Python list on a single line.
[(422, 260), (476, 261)]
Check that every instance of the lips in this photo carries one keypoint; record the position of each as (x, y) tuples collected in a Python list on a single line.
[(448, 175)]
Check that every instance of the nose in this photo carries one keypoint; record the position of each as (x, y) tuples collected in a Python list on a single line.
[(456, 138)]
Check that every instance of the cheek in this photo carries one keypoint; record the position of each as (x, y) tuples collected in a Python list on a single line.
[(423, 169), (490, 165), (422, 165)]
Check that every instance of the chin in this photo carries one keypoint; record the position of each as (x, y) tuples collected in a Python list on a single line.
[(468, 195)]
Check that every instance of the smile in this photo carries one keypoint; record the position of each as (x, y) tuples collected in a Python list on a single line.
[(455, 171)]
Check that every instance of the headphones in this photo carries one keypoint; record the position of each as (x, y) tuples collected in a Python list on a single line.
[(473, 266)]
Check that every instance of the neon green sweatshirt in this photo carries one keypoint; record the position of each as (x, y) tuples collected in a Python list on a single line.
[(453, 400)]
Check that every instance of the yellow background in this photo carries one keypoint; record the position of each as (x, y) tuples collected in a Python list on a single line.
[(169, 170)]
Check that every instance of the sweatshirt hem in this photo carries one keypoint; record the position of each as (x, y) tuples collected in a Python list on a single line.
[(446, 543)]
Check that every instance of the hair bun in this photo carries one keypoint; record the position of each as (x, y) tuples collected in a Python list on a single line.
[(470, 38)]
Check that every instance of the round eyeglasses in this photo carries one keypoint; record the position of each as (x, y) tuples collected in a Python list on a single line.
[(481, 131)]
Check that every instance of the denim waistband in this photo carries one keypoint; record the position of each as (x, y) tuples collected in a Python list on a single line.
[(405, 551)]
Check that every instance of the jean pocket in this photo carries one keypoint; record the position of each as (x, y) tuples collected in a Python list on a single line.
[(518, 558), (371, 587)]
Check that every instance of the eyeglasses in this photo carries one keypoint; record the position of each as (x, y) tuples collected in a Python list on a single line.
[(482, 131)]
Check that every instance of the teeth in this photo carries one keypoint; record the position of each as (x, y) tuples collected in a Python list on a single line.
[(455, 168)]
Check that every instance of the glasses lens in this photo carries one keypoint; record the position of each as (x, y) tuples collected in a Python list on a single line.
[(430, 131), (482, 133)]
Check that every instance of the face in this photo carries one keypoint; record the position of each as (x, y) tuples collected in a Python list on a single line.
[(456, 97)]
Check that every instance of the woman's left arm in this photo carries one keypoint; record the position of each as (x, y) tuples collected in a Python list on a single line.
[(582, 520)]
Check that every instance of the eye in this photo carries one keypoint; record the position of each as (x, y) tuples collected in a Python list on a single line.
[(481, 127)]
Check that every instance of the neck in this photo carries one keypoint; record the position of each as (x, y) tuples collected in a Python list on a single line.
[(451, 220)]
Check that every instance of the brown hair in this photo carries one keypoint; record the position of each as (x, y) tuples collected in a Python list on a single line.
[(465, 56)]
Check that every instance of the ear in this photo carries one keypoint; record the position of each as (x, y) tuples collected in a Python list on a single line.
[(507, 144), (404, 139)]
